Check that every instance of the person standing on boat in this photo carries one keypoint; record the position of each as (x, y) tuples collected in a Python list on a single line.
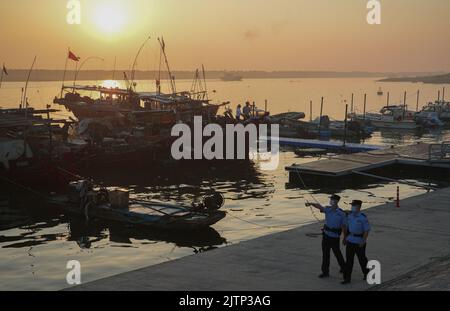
[(247, 111), (335, 220), (356, 232), (238, 113)]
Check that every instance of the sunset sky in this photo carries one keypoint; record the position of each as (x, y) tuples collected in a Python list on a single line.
[(231, 34)]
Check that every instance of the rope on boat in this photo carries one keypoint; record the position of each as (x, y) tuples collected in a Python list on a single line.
[(70, 173), (23, 187), (266, 226)]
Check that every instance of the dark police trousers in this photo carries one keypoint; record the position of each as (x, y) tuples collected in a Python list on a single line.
[(328, 244), (360, 252)]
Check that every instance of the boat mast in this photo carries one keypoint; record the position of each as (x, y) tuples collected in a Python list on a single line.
[(133, 68), (194, 82), (171, 79), (65, 70), (24, 99), (204, 82)]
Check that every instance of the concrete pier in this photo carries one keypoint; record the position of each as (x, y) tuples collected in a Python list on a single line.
[(403, 240)]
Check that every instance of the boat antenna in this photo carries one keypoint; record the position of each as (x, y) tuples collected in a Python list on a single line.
[(24, 98), (81, 66), (171, 78), (133, 68), (204, 82), (194, 82)]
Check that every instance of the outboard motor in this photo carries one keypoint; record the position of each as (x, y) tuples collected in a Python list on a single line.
[(213, 202)]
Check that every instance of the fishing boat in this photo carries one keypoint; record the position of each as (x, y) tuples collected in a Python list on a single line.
[(231, 77), (390, 117), (325, 127), (440, 108), (109, 102), (115, 205), (31, 145), (92, 101)]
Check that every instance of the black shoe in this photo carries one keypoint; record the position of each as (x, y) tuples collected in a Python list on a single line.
[(345, 282), (324, 276)]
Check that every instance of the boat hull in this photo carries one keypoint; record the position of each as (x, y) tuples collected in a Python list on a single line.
[(405, 125), (180, 221)]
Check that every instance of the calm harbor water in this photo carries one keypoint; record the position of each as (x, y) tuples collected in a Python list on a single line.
[(35, 251)]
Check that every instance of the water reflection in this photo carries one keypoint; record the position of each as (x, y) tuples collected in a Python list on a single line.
[(86, 235), (186, 182), (180, 182), (401, 137)]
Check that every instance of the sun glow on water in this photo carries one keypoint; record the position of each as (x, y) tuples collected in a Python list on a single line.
[(110, 84)]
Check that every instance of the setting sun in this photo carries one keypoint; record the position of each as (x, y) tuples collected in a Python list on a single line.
[(109, 18)]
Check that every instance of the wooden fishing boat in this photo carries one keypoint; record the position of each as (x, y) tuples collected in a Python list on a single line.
[(115, 205), (31, 146)]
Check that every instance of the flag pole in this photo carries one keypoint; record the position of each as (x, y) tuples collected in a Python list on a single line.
[(65, 69)]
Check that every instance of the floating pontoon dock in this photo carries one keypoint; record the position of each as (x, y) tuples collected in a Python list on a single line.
[(422, 154), (328, 145)]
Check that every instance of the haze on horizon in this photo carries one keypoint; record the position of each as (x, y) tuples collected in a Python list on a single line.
[(307, 35)]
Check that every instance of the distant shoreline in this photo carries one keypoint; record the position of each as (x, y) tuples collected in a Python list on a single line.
[(44, 75), (439, 79)]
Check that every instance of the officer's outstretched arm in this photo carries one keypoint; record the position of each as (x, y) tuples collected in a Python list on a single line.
[(316, 205)]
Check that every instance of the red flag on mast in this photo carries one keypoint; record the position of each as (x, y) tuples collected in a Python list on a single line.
[(73, 57)]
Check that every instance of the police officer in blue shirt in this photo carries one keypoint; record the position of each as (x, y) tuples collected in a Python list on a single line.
[(335, 220), (356, 233)]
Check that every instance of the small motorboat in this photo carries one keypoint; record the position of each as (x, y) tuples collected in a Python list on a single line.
[(115, 205), (441, 108), (390, 117)]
